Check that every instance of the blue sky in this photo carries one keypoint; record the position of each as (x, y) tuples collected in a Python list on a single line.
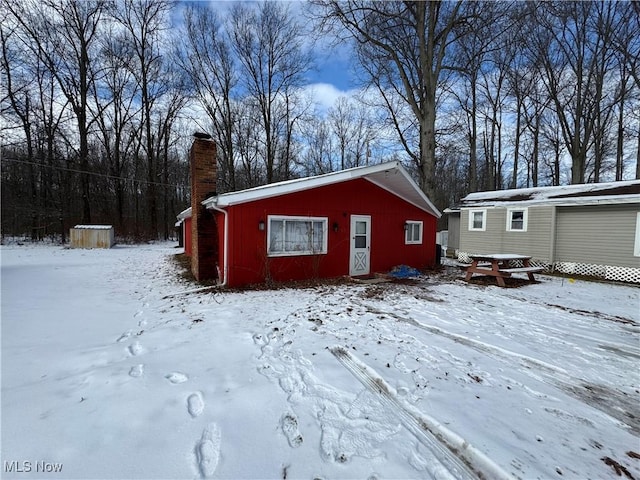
[(334, 67), (332, 63)]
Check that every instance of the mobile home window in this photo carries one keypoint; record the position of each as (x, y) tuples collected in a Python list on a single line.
[(413, 232), (478, 220), (288, 236), (517, 220)]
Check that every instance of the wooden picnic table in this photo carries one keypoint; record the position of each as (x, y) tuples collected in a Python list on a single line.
[(499, 265)]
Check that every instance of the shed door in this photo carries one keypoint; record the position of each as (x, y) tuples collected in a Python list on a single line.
[(360, 252)]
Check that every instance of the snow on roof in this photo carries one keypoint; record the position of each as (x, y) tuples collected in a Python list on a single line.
[(93, 227), (390, 176), (186, 213), (589, 193)]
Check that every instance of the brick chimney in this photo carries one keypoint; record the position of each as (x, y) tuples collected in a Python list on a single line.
[(204, 232)]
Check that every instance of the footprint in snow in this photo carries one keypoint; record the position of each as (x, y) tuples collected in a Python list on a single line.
[(137, 314), (207, 451), (135, 349), (136, 370), (176, 377), (195, 404), (124, 336), (142, 323), (289, 425)]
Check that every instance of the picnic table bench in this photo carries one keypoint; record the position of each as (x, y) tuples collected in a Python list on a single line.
[(499, 265)]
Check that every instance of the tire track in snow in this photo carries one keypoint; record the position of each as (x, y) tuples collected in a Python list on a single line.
[(460, 458), (527, 361), (613, 403)]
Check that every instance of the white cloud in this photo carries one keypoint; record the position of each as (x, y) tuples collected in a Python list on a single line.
[(325, 95)]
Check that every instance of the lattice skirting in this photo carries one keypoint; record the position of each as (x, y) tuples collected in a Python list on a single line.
[(618, 274), (607, 272), (463, 257)]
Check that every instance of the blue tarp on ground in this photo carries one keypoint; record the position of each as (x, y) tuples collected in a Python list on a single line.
[(404, 271)]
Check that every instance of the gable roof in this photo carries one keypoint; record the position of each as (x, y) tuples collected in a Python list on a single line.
[(582, 194), (390, 176)]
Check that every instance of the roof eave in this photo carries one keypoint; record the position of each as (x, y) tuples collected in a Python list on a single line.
[(186, 213), (427, 206), (268, 191), (559, 202)]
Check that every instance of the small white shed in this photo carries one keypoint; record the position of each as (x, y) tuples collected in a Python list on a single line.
[(92, 236)]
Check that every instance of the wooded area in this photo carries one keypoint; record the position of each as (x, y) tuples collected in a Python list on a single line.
[(100, 98)]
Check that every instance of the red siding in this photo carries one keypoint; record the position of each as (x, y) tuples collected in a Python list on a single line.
[(186, 238), (248, 260)]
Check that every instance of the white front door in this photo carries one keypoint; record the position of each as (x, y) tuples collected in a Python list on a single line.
[(360, 253)]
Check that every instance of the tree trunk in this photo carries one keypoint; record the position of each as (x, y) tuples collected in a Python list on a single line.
[(473, 140), (516, 150), (428, 149), (165, 186), (620, 143), (535, 159)]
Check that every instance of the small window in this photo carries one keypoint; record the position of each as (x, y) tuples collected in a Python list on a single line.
[(288, 236), (478, 220), (413, 232), (516, 220)]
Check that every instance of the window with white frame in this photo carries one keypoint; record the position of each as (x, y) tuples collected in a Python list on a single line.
[(288, 236), (413, 232), (478, 220), (516, 220)]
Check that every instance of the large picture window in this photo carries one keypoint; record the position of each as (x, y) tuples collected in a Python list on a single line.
[(478, 220), (289, 236)]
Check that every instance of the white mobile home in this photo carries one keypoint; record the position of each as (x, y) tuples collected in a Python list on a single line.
[(591, 229)]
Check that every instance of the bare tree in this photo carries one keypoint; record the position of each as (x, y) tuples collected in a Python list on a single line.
[(63, 33), (352, 126), (205, 56), (402, 47), (17, 90), (144, 22), (471, 55), (319, 156), (575, 58), (116, 95), (626, 41), (268, 44), (166, 116), (251, 172), (521, 80)]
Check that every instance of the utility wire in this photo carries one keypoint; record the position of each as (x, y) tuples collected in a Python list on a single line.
[(105, 175)]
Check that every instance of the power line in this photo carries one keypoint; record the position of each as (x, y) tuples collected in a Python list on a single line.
[(104, 175)]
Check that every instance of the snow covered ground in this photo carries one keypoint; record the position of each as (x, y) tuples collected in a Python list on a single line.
[(104, 376)]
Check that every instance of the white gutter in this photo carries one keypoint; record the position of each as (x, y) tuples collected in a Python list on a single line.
[(225, 261)]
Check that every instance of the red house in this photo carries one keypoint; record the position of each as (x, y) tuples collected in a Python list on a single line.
[(354, 222)]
